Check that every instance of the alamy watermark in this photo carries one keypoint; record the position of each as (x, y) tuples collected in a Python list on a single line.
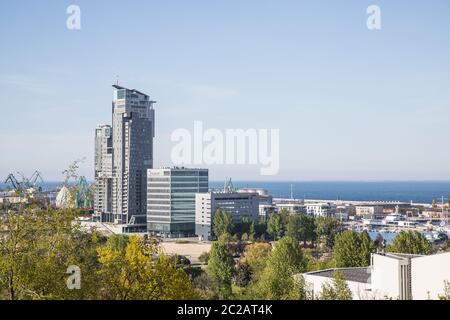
[(73, 22), (74, 280), (227, 147), (374, 19)]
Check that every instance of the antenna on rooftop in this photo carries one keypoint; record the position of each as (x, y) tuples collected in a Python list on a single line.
[(292, 193), (117, 80)]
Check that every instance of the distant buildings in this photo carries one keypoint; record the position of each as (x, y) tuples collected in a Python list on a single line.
[(370, 212), (321, 209), (394, 276), (239, 204), (171, 200), (123, 153)]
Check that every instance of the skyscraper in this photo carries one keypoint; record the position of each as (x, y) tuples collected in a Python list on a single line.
[(103, 173), (133, 130)]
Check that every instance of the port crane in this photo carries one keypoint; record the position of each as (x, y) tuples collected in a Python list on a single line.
[(24, 183)]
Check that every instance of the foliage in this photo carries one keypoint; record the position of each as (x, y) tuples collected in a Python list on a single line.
[(338, 290), (327, 228), (352, 249), (275, 226), (277, 279), (410, 242), (446, 295), (142, 271), (204, 257), (37, 247), (222, 223), (301, 228), (255, 255), (221, 269), (243, 274)]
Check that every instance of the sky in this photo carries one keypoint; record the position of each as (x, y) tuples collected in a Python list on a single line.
[(350, 103)]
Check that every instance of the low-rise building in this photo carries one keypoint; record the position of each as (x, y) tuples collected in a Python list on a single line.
[(240, 205), (390, 276), (321, 209), (370, 212)]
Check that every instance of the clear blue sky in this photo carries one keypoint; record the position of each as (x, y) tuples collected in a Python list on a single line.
[(351, 104)]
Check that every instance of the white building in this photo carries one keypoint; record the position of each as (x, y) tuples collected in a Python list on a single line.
[(240, 205), (370, 212), (390, 276), (321, 209)]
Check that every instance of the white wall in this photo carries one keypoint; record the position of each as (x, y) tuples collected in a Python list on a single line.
[(359, 290), (428, 274), (385, 277)]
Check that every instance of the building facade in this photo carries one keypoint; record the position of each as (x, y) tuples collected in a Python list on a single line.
[(103, 173), (390, 276), (240, 205), (321, 209), (370, 212), (171, 200), (126, 147)]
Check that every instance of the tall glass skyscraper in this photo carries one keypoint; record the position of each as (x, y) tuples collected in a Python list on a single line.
[(133, 130)]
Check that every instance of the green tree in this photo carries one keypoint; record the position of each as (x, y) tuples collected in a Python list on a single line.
[(142, 272), (338, 290), (411, 242), (221, 269), (446, 295), (294, 227), (275, 226), (252, 232), (222, 223), (204, 257), (255, 255), (243, 274), (352, 249), (277, 280), (327, 228)]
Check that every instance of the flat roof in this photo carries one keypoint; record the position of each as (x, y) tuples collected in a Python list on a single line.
[(350, 274)]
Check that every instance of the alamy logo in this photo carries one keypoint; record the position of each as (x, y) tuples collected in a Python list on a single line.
[(231, 147), (73, 22), (374, 19), (74, 279)]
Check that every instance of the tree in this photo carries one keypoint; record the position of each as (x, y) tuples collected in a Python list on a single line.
[(446, 295), (274, 226), (327, 228), (338, 290), (142, 272), (252, 232), (222, 223), (255, 255), (411, 242), (36, 249), (204, 257), (352, 249), (277, 280), (294, 226), (243, 274), (221, 269)]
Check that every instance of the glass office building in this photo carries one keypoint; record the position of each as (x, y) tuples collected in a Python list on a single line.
[(171, 200)]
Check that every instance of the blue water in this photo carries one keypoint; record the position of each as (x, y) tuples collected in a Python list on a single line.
[(417, 191)]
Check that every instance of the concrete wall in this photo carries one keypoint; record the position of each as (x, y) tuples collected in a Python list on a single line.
[(360, 291), (385, 277), (428, 274)]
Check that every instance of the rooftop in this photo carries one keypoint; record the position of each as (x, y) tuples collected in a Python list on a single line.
[(350, 274)]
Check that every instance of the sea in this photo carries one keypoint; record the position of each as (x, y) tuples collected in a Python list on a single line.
[(403, 191), (406, 191)]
